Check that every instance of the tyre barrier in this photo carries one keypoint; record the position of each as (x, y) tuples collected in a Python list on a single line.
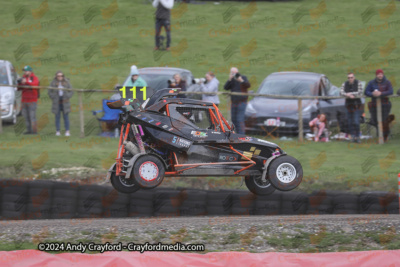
[(43, 199), (65, 200), (194, 203), (269, 205), (141, 203), (39, 198), (115, 204), (218, 203)]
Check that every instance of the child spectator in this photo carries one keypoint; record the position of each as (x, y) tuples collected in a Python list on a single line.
[(317, 126)]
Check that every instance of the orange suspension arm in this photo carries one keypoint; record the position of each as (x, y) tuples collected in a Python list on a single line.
[(253, 163), (214, 119), (219, 118)]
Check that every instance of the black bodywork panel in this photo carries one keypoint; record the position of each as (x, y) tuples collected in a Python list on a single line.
[(182, 131)]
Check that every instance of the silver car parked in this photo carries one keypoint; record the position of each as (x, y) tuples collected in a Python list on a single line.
[(10, 97)]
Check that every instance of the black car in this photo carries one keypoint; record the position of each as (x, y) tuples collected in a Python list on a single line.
[(280, 116), (157, 78), (161, 137)]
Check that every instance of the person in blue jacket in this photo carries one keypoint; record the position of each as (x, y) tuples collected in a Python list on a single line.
[(380, 87)]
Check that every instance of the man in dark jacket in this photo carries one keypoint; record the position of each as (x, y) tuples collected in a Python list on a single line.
[(382, 88), (353, 90), (163, 19), (237, 83), (178, 82), (29, 99)]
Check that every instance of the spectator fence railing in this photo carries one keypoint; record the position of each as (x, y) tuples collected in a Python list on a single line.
[(299, 105)]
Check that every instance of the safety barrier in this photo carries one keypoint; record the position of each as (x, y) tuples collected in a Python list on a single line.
[(233, 259), (355, 258), (41, 199)]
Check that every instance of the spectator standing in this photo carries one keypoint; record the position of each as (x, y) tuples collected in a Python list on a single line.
[(211, 86), (178, 82), (29, 99), (380, 87), (317, 126), (163, 19), (237, 83), (135, 80), (60, 99), (353, 90)]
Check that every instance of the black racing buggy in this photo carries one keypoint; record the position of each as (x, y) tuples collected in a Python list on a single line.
[(169, 136)]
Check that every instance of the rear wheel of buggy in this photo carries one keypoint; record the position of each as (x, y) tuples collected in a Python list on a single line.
[(258, 187), (124, 185), (285, 173), (148, 171)]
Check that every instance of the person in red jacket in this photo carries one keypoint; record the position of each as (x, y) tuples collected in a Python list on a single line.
[(29, 99)]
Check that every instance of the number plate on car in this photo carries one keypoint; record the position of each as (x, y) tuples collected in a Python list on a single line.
[(270, 122)]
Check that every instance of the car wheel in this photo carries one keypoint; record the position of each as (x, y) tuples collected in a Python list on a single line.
[(148, 171), (258, 187), (123, 185), (285, 173)]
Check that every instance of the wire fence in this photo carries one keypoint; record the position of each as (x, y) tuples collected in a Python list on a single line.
[(84, 94)]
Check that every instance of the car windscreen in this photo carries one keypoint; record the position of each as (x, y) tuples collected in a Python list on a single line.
[(295, 87), (155, 81), (3, 75), (159, 81)]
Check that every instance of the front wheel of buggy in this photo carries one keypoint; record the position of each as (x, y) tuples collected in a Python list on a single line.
[(258, 187), (123, 185), (285, 173), (148, 171)]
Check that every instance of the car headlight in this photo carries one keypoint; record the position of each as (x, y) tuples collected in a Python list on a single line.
[(250, 109), (5, 109), (6, 97)]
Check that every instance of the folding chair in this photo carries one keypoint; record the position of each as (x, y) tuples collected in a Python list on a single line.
[(109, 122)]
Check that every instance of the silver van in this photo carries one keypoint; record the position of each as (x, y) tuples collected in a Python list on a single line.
[(10, 97)]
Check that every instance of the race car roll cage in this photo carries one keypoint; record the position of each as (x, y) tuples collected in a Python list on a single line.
[(216, 119)]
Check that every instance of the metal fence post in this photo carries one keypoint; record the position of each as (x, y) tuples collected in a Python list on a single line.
[(300, 109), (81, 118), (379, 116)]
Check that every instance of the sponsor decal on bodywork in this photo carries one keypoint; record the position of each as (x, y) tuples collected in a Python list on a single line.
[(199, 134), (253, 152), (181, 142), (227, 157), (246, 139)]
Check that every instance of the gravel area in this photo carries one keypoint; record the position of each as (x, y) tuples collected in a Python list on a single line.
[(304, 233)]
